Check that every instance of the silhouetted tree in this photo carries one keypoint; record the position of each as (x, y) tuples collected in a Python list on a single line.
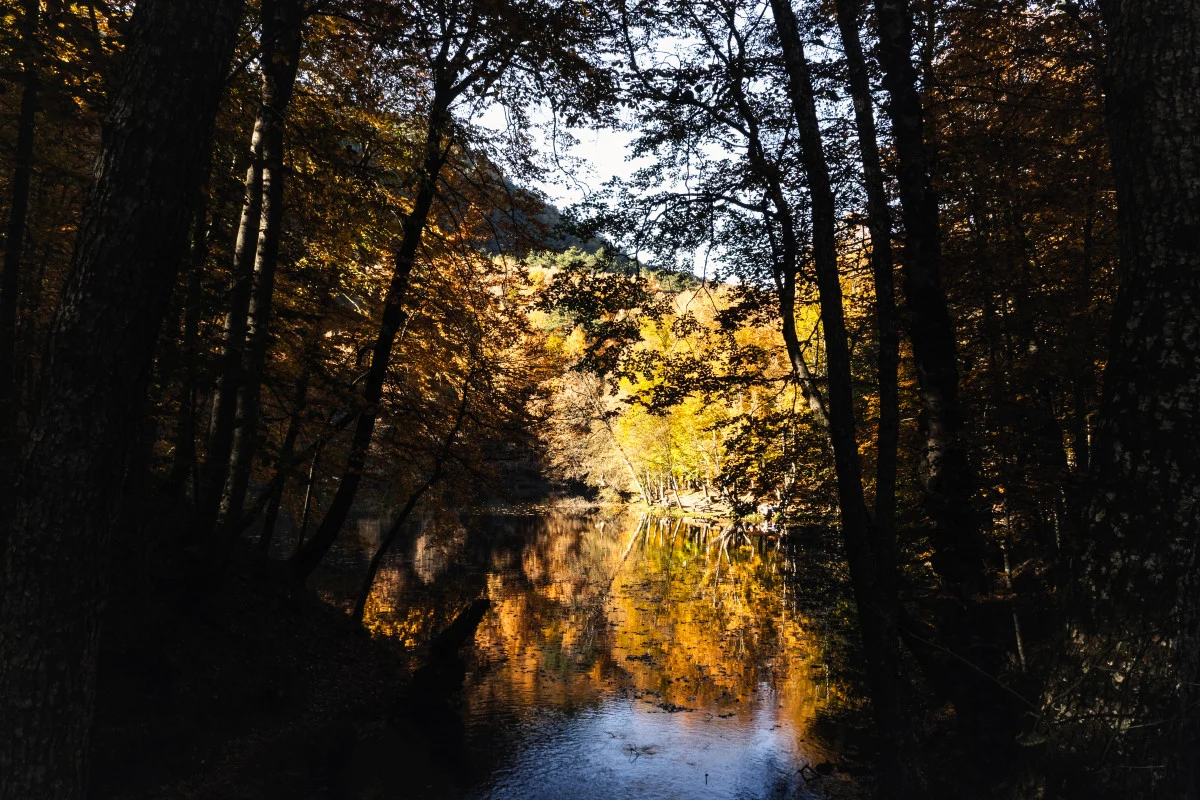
[(131, 241)]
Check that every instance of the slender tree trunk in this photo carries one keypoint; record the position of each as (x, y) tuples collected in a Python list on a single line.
[(872, 573), (787, 311), (436, 148), (972, 645), (786, 254), (14, 242), (224, 410), (183, 464), (282, 20), (308, 499), (1137, 606), (1082, 391), (598, 410), (287, 454), (946, 472), (131, 240), (879, 224)]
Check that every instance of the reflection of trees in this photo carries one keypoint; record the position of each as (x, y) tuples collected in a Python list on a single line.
[(436, 549), (667, 611), (704, 622)]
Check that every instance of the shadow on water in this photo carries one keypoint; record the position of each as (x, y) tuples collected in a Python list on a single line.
[(622, 657)]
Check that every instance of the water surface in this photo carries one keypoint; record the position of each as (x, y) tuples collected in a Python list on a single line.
[(623, 657)]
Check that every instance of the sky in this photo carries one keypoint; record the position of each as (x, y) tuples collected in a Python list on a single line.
[(602, 152), (600, 155)]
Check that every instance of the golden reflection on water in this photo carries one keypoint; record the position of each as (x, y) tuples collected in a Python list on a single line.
[(664, 616)]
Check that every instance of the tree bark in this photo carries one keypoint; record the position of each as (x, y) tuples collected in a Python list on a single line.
[(14, 242), (947, 477), (224, 410), (1137, 608), (98, 360), (437, 142), (870, 556), (308, 498), (786, 254), (282, 21), (971, 646), (879, 224), (184, 463)]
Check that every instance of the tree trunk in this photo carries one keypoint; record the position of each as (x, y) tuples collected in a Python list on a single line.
[(871, 558), (183, 463), (948, 479), (879, 224), (1082, 391), (282, 20), (786, 284), (437, 142), (131, 239), (785, 253), (971, 646), (10, 282), (1138, 594), (224, 411), (287, 451), (594, 396), (308, 498)]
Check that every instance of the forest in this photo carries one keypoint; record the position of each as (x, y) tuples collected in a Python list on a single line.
[(365, 433)]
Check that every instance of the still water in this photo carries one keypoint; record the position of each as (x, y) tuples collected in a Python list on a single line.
[(623, 657)]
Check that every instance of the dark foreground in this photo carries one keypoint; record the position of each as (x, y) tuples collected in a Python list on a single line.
[(617, 659)]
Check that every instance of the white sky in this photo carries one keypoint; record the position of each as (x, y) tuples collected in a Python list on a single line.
[(602, 151), (600, 155)]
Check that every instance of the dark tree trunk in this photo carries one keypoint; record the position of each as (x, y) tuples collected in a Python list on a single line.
[(436, 147), (870, 555), (287, 451), (309, 499), (789, 258), (1138, 596), (282, 21), (229, 379), (946, 473), (971, 647), (1082, 391), (131, 239), (183, 463), (785, 252), (879, 224), (14, 242)]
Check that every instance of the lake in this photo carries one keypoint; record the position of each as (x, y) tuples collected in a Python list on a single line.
[(623, 657)]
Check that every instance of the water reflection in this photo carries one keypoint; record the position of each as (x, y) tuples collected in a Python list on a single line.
[(623, 657)]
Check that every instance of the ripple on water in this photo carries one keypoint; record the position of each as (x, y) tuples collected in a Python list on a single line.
[(625, 660)]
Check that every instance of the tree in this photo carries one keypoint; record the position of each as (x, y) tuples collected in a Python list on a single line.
[(282, 21), (97, 367), (870, 551), (1137, 631), (970, 656), (235, 405), (467, 49), (946, 470), (879, 224), (14, 240)]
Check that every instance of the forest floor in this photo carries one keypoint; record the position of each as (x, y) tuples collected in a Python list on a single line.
[(257, 691)]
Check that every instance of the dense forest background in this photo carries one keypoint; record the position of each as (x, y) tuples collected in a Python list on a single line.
[(923, 271)]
